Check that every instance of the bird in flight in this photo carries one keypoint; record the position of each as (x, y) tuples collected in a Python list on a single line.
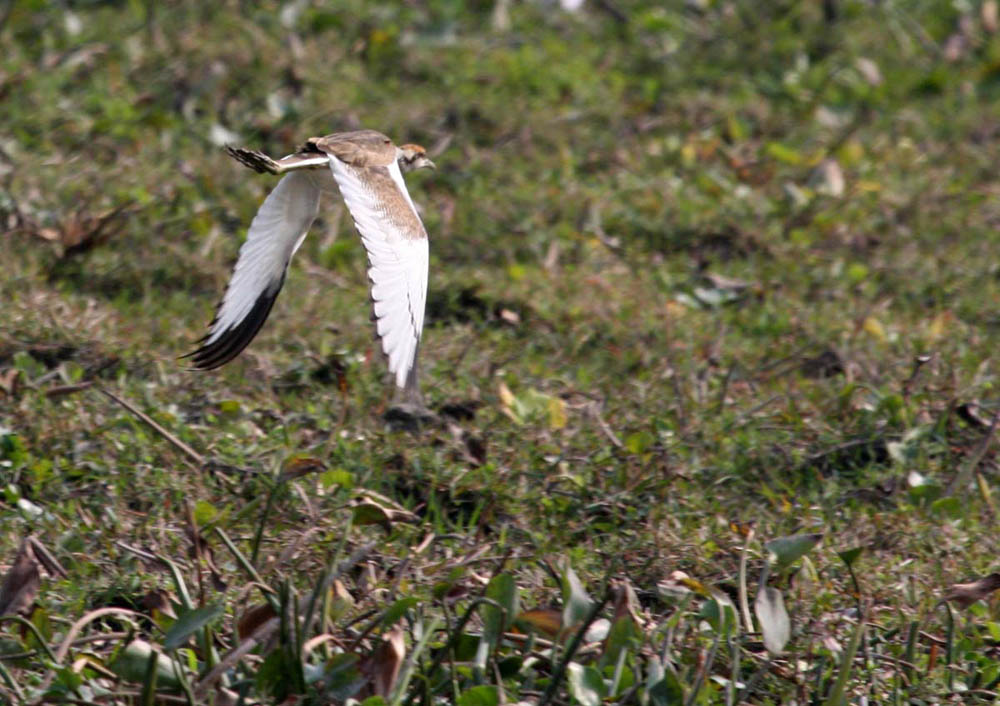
[(367, 167)]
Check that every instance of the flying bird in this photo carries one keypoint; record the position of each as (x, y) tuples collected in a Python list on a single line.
[(368, 169)]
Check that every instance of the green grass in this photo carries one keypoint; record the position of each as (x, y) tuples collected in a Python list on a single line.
[(671, 326)]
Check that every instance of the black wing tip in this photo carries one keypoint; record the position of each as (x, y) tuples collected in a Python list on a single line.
[(254, 159), (231, 343)]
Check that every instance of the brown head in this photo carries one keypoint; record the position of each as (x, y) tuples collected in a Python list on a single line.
[(412, 157)]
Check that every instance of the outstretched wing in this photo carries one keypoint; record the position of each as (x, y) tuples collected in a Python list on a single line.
[(396, 243), (275, 234)]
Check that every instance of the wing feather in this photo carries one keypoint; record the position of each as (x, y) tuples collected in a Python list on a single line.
[(275, 234), (396, 243)]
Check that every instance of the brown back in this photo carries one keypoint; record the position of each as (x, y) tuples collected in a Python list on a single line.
[(361, 148)]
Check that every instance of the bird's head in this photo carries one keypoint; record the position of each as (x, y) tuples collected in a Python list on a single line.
[(412, 157)]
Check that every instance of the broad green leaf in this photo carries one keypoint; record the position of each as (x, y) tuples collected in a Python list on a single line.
[(336, 476), (585, 684), (785, 550), (849, 556), (950, 506), (479, 696), (369, 512), (204, 512), (397, 610), (637, 442), (503, 590), (131, 663), (784, 153), (623, 635), (189, 623), (662, 686), (576, 603), (769, 606)]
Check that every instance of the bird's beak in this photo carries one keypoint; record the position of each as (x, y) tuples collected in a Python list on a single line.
[(427, 163)]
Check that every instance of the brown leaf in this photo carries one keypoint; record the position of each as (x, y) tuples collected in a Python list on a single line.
[(382, 666), (21, 583), (251, 620), (9, 382), (989, 16), (158, 601), (965, 594), (371, 508), (545, 620), (302, 465)]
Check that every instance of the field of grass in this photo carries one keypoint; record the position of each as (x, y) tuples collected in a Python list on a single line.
[(712, 335)]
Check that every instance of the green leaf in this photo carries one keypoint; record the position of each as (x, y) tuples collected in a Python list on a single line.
[(204, 512), (131, 664), (623, 635), (719, 612), (785, 550), (784, 153), (585, 684), (662, 686), (503, 590), (189, 623), (951, 507), (769, 606), (336, 476), (479, 696), (397, 610), (637, 442), (838, 691), (576, 603), (849, 556)]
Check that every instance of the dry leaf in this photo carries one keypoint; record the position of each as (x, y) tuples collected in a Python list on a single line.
[(869, 70), (545, 620), (9, 382), (382, 666), (989, 16), (965, 594), (252, 619), (20, 585), (81, 231), (368, 511), (158, 601), (302, 465)]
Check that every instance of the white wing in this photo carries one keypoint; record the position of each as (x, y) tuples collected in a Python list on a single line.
[(396, 242), (275, 234)]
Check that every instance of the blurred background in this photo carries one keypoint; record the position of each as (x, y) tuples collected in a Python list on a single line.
[(691, 262)]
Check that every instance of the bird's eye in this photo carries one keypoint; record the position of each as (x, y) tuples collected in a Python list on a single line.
[(387, 142)]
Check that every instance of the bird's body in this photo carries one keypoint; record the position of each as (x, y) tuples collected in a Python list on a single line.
[(367, 168)]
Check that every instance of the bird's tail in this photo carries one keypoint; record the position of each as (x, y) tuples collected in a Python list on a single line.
[(410, 393)]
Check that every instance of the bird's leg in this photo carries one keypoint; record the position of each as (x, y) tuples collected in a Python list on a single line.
[(258, 161)]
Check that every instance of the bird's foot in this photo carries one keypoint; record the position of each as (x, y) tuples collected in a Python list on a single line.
[(258, 161)]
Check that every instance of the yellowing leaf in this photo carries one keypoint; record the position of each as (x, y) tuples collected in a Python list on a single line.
[(557, 413), (940, 325), (874, 328)]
